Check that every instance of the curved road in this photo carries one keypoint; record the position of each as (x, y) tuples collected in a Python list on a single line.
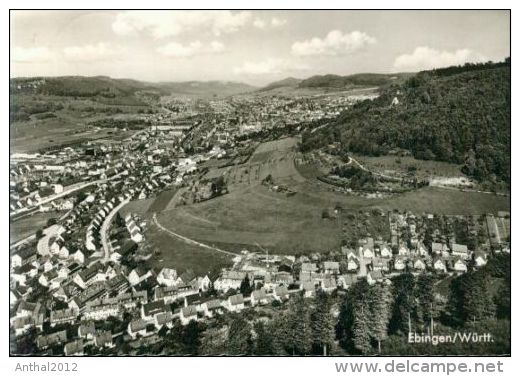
[(190, 241), (351, 159), (70, 189), (106, 226)]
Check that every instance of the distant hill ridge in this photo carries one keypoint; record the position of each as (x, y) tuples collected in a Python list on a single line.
[(81, 86), (334, 81)]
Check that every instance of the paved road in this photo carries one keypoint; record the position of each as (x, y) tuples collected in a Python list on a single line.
[(435, 186), (70, 189), (190, 241), (22, 241), (106, 226)]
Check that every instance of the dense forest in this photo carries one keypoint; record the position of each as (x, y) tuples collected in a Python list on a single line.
[(458, 114)]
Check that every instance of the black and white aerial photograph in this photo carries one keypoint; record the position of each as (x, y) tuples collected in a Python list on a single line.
[(277, 183)]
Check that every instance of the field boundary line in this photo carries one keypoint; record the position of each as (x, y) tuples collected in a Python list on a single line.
[(188, 240)]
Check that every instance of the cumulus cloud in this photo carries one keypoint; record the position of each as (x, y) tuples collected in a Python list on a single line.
[(174, 49), (268, 66), (272, 23), (276, 22), (91, 52), (161, 24), (335, 43), (31, 54), (423, 58), (259, 23)]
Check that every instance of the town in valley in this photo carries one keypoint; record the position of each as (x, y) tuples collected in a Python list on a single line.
[(331, 215)]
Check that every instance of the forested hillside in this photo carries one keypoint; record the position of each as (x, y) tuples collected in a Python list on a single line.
[(342, 82), (458, 114)]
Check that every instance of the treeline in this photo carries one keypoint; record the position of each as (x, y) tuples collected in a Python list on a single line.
[(462, 117), (369, 319), (470, 67), (335, 81), (358, 178), (302, 329), (377, 319), (20, 110), (119, 123)]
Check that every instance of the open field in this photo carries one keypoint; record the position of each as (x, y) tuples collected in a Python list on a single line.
[(256, 215), (68, 122), (162, 200), (252, 214), (32, 136), (29, 225), (139, 207), (275, 158), (401, 165), (175, 253)]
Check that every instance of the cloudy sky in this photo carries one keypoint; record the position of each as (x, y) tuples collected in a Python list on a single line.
[(250, 46)]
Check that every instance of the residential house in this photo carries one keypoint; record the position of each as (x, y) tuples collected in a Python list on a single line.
[(403, 250), (21, 325), (460, 250), (440, 249), (167, 277), (63, 316), (169, 293), (352, 264), (87, 330), (78, 257), (400, 263), (259, 297), (309, 267), (24, 256), (138, 275), (421, 250), (458, 265), (24, 273), (419, 264), (480, 258), (235, 303), (229, 280), (281, 293), (379, 263), (367, 251), (103, 339), (309, 289), (202, 283), (101, 311), (163, 319), (331, 267), (188, 314), (151, 309), (92, 274), (346, 280), (137, 327), (50, 279), (127, 248), (374, 276), (45, 341), (439, 264), (63, 253), (74, 348), (329, 284), (212, 307), (385, 251)]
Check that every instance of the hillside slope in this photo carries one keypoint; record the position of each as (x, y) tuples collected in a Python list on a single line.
[(460, 115), (343, 82), (286, 82)]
